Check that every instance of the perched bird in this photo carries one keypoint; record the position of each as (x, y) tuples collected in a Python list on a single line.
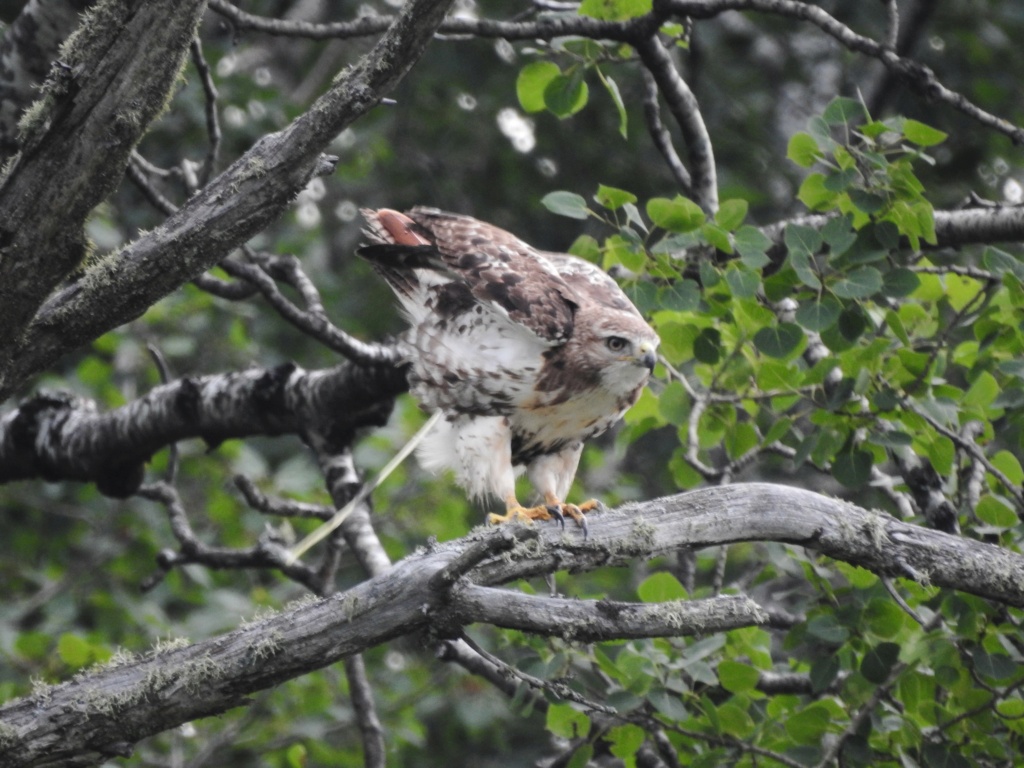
[(526, 353)]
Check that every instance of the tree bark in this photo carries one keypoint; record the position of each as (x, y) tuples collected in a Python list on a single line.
[(105, 711)]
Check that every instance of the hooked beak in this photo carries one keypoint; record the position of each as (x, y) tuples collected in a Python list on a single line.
[(646, 356)]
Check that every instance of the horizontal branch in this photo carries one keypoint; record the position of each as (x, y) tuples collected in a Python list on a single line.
[(64, 437), (105, 711), (969, 226), (588, 621), (543, 28)]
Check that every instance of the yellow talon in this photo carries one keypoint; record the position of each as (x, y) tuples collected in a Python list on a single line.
[(552, 508)]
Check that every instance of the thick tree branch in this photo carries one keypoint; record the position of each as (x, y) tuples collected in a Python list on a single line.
[(240, 202), (587, 621), (62, 437), (118, 71), (29, 47), (106, 711)]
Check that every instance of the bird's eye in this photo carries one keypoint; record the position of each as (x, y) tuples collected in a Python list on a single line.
[(616, 343)]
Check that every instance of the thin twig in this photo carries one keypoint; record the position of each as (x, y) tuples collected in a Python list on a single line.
[(212, 122), (661, 137), (684, 108)]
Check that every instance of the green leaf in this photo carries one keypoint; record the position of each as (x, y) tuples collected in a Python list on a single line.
[(716, 237), (852, 467), (900, 282), (532, 80), (566, 204), (661, 587), (625, 740), (676, 215), (613, 90), (736, 677), (581, 758), (566, 721), (752, 246), (743, 284), (587, 248), (707, 346), (983, 391), (297, 756), (814, 195), (1009, 465), (994, 512), (839, 235), (884, 618), (778, 430), (995, 666), (941, 756), (621, 250), (734, 721), (614, 10), (801, 263), (565, 95), (809, 725), (731, 213), (682, 296), (879, 661), (839, 181), (674, 404), (779, 341), (942, 453), (73, 650), (823, 672), (921, 134), (801, 239), (819, 314), (868, 202), (1001, 263), (613, 198), (845, 111), (803, 150), (858, 284), (825, 627)]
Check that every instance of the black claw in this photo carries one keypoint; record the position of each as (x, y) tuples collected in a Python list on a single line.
[(557, 514), (585, 527)]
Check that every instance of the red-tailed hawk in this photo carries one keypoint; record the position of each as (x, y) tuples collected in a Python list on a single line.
[(526, 353)]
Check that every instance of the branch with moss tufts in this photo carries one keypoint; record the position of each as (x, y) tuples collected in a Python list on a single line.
[(106, 710)]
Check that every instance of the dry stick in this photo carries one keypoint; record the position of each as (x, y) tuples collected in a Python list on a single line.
[(321, 533)]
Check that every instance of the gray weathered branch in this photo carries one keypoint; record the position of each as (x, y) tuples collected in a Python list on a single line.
[(63, 437), (240, 202), (106, 711), (119, 68)]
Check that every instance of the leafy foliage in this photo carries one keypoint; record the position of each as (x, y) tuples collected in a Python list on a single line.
[(841, 350)]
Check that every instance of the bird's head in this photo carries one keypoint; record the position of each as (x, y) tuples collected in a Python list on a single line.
[(628, 352)]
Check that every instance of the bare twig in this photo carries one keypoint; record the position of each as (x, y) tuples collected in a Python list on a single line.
[(372, 732), (212, 121), (661, 137), (684, 108)]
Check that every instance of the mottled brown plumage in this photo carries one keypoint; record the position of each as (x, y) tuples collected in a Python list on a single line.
[(527, 353)]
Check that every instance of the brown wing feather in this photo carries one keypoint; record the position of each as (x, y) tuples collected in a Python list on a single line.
[(500, 269)]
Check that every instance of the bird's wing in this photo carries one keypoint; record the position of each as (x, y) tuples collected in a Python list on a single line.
[(497, 269)]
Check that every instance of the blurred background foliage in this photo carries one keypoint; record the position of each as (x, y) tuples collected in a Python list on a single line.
[(72, 562)]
